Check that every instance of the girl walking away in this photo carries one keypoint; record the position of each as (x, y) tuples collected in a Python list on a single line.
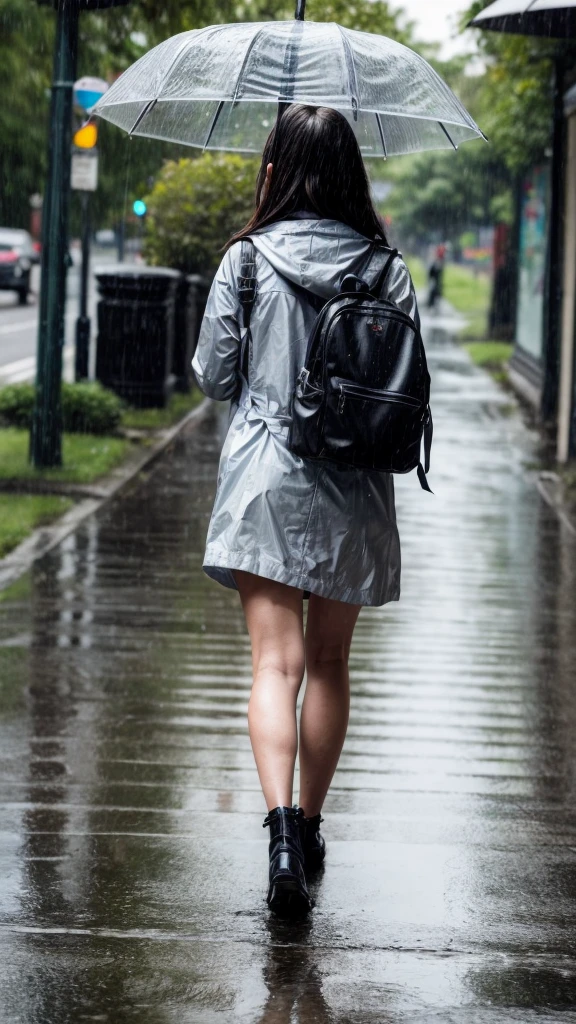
[(284, 528)]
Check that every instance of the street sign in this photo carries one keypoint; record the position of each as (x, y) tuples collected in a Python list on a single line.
[(86, 137), (88, 90), (85, 170)]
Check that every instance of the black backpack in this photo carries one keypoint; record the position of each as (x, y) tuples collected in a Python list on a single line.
[(362, 397)]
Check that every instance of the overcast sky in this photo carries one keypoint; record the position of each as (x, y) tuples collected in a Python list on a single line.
[(437, 20)]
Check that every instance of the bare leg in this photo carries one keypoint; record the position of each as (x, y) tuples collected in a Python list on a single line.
[(324, 716), (274, 617)]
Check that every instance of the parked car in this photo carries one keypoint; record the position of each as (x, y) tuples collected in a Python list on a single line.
[(106, 237), (17, 255)]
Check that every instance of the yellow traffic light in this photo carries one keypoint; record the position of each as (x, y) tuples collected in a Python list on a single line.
[(87, 136)]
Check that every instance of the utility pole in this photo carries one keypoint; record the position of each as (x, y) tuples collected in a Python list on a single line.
[(46, 438), (46, 433)]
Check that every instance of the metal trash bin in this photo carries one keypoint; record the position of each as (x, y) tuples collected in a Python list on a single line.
[(191, 300), (135, 341)]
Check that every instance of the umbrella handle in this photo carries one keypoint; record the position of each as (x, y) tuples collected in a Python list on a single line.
[(300, 10)]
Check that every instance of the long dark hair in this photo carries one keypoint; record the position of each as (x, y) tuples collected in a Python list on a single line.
[(317, 166)]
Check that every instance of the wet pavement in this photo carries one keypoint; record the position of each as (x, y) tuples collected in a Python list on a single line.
[(132, 857)]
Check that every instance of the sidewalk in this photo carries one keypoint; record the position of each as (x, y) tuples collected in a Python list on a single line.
[(132, 857)]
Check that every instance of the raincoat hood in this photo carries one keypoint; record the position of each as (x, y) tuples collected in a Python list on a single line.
[(313, 253)]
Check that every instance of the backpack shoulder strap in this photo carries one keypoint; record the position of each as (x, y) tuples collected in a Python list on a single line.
[(247, 283), (379, 262)]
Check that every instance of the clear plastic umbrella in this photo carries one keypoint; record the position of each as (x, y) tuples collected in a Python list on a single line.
[(220, 87), (553, 18)]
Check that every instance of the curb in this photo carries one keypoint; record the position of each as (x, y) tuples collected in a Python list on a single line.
[(547, 483), (549, 486), (45, 538)]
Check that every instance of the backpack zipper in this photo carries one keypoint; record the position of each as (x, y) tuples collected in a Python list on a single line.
[(348, 388)]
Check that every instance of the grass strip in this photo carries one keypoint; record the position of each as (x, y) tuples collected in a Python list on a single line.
[(155, 419), (468, 292), (86, 457), (22, 513), (491, 355), (417, 272)]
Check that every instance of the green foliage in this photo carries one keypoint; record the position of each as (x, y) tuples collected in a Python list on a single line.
[(515, 95), (364, 15), (194, 208), (445, 192), (86, 408), (22, 513), (26, 40), (502, 208), (442, 194), (16, 405), (86, 457), (467, 238)]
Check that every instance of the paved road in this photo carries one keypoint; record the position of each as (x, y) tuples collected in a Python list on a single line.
[(132, 858), (19, 324)]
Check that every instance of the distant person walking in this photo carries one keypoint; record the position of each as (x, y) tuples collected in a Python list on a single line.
[(436, 276), (284, 528)]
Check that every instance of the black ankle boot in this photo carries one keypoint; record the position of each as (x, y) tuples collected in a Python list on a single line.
[(313, 845), (287, 892)]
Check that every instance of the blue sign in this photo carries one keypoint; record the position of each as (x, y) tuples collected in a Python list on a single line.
[(88, 90), (139, 207)]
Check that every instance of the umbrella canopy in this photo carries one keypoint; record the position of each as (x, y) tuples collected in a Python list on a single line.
[(553, 18), (219, 88)]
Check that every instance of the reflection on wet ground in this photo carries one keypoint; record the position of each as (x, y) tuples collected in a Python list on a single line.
[(132, 857)]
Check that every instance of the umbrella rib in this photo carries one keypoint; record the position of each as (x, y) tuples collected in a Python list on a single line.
[(351, 69), (448, 136), (213, 122), (145, 110), (249, 49), (382, 139), (174, 61), (290, 66)]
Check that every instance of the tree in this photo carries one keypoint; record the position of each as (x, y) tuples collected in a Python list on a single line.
[(515, 95), (194, 207), (446, 193), (364, 15), (26, 40)]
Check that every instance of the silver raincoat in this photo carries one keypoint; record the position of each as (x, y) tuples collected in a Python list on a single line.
[(324, 528)]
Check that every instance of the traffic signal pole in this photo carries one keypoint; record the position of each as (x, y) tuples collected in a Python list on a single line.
[(46, 436), (82, 357)]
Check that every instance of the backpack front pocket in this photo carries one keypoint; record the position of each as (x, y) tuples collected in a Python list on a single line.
[(371, 428), (349, 389)]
